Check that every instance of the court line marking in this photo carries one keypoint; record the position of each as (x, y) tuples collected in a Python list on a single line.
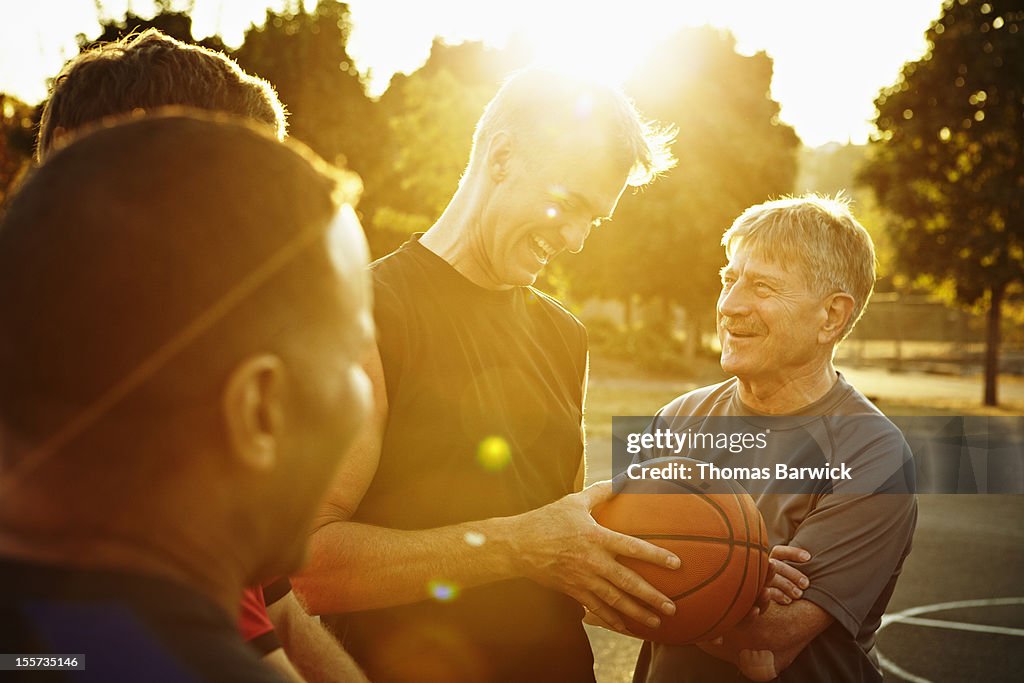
[(962, 626), (908, 616)]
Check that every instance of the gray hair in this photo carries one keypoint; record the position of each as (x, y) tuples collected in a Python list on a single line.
[(820, 236), (546, 108)]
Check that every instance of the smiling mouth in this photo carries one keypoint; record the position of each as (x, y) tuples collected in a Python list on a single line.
[(541, 249)]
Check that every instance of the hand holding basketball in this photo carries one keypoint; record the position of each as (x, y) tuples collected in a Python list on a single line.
[(562, 547)]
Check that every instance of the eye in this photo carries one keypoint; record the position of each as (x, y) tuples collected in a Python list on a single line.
[(763, 288)]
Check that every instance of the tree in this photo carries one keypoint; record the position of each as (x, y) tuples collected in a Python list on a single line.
[(733, 152), (303, 54), (177, 25), (17, 137), (947, 162)]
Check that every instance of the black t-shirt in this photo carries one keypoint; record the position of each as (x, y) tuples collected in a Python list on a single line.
[(129, 627), (485, 392)]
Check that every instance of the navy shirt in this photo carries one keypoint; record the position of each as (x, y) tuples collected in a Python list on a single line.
[(129, 627)]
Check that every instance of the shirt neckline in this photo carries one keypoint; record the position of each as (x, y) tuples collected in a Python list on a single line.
[(452, 278)]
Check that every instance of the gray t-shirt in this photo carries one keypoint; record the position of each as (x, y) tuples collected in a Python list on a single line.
[(858, 532)]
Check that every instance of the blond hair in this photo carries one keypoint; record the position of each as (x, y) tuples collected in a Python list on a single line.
[(820, 236), (545, 109)]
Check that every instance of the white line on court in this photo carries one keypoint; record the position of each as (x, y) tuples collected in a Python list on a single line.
[(908, 616), (961, 626)]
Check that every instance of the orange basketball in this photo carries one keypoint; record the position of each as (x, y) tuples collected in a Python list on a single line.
[(716, 531)]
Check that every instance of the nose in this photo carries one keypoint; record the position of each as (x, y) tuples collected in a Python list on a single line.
[(574, 235), (733, 301)]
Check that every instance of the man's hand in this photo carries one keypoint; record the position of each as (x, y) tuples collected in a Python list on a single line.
[(562, 547), (785, 582)]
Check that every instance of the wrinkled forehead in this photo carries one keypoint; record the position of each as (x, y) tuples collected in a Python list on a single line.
[(749, 252)]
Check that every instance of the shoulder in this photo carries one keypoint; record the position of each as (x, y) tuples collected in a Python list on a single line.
[(567, 323)]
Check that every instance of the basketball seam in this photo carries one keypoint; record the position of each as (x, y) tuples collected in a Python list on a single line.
[(725, 563), (743, 578), (703, 539)]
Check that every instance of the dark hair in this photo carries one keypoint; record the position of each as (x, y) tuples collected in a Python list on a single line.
[(132, 235), (148, 70)]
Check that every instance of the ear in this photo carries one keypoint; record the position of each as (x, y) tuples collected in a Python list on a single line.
[(253, 405), (838, 309), (499, 156)]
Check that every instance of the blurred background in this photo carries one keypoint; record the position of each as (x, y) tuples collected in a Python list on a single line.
[(913, 109)]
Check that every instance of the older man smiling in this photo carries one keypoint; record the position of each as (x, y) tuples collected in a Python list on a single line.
[(800, 273)]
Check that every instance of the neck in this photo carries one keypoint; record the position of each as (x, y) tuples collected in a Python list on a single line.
[(141, 546), (457, 237), (781, 396)]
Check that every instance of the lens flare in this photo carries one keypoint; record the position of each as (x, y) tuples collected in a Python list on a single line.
[(474, 539), (443, 591), (494, 454)]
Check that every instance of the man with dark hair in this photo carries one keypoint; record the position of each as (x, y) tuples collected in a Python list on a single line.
[(185, 308), (148, 70), (456, 540)]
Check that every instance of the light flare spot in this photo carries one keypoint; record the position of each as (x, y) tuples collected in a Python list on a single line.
[(443, 591), (584, 106), (552, 212), (474, 539), (494, 453)]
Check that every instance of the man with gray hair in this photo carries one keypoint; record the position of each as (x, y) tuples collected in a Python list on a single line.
[(472, 472), (799, 275)]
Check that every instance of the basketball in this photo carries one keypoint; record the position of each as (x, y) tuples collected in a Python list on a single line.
[(716, 531)]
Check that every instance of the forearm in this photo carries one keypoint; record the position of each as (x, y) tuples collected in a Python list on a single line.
[(317, 656), (357, 566), (784, 629)]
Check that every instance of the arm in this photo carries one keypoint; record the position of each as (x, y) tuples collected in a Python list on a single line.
[(784, 629), (309, 648), (279, 662), (357, 566)]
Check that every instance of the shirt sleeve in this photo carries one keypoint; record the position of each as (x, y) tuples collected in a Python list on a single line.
[(858, 538), (393, 339), (254, 623)]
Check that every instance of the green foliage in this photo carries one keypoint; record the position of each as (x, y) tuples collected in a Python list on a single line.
[(649, 348), (303, 54), (947, 160), (733, 152), (177, 25), (17, 138)]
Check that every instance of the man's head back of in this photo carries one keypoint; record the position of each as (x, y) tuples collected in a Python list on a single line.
[(185, 308), (801, 271), (150, 70)]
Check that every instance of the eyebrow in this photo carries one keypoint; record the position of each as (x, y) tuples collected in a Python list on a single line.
[(754, 275), (587, 205)]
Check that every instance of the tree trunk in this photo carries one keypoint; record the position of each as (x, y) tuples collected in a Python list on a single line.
[(995, 316)]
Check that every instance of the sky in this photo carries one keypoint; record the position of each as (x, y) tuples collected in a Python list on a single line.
[(831, 57)]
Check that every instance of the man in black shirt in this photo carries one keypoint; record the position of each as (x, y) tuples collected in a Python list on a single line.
[(453, 540), (185, 308)]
